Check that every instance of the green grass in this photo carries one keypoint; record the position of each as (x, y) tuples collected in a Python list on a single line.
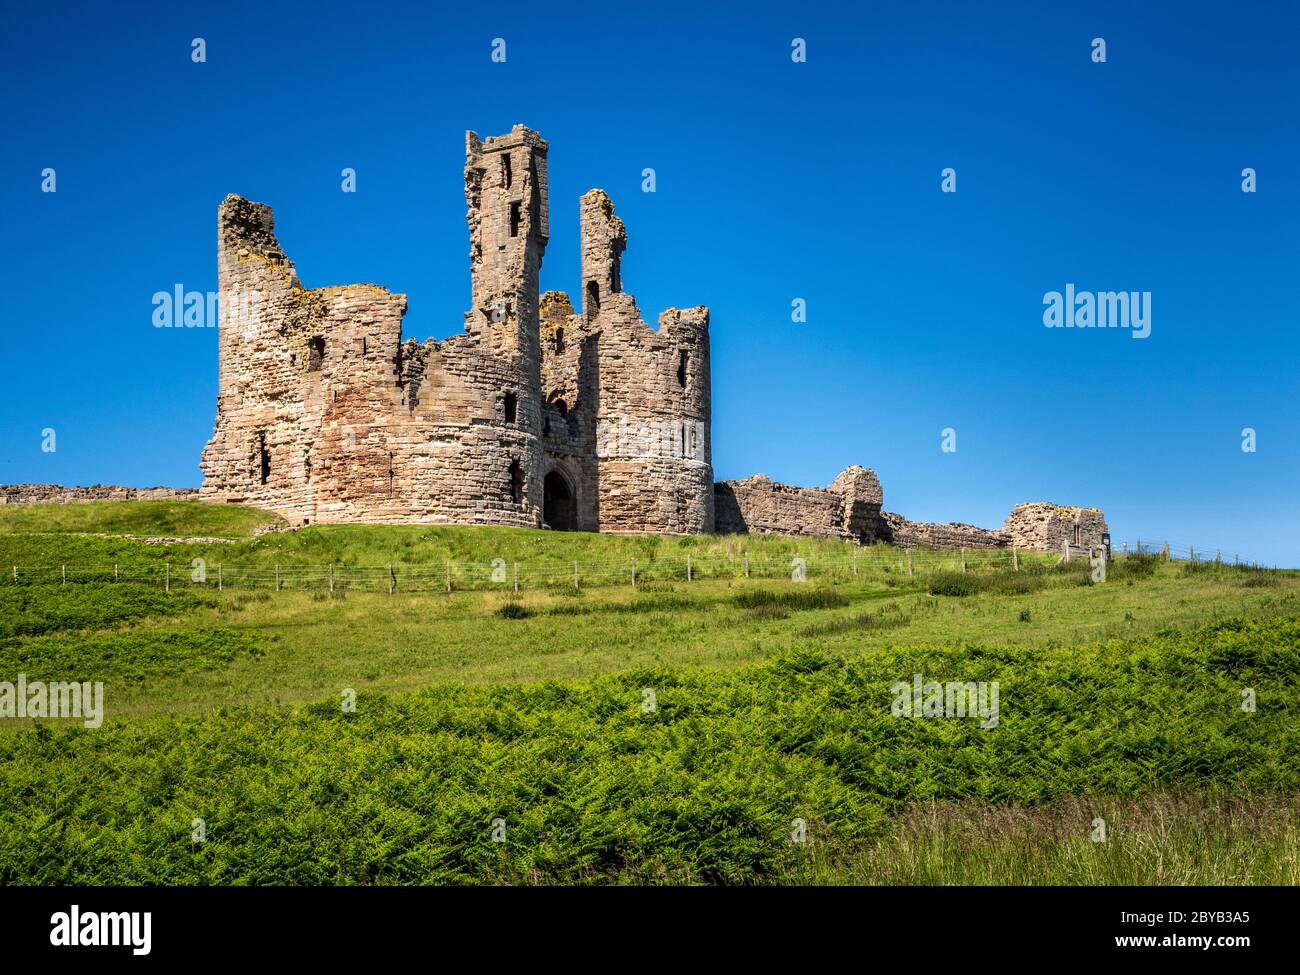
[(772, 704), (703, 788), (35, 609), (171, 519), (1158, 838)]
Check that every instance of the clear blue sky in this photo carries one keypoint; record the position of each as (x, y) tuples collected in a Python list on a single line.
[(775, 180)]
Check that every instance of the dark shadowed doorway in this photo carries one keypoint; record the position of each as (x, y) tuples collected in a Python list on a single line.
[(559, 506)]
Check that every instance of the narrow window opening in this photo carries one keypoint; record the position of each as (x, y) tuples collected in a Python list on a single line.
[(365, 346), (516, 482), (512, 407), (1077, 535), (264, 457), (390, 473), (315, 352), (507, 172), (683, 439), (681, 370), (514, 219), (559, 340), (593, 296)]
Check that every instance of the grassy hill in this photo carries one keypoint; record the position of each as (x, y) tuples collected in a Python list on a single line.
[(769, 706)]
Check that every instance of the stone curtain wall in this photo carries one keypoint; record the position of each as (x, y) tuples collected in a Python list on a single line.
[(849, 508), (56, 493), (897, 530)]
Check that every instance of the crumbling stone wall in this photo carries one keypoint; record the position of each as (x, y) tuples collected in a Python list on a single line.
[(325, 414), (57, 493), (848, 508), (897, 530), (851, 508)]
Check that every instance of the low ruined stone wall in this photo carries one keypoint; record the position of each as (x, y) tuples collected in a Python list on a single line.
[(760, 505), (897, 530), (57, 493), (849, 508)]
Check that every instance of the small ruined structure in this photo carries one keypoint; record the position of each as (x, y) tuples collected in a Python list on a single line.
[(1049, 527), (538, 414)]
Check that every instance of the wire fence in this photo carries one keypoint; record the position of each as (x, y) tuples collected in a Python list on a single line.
[(503, 575)]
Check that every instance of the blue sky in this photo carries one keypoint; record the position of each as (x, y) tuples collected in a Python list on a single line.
[(775, 181)]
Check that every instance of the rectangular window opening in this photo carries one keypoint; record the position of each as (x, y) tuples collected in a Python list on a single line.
[(516, 482), (514, 218), (264, 457), (315, 352)]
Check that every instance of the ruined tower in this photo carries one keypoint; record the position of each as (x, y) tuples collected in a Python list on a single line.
[(639, 439)]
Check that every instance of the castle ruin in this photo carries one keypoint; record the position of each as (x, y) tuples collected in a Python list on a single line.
[(536, 415)]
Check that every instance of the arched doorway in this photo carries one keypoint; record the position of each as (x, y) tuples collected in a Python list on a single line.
[(559, 506)]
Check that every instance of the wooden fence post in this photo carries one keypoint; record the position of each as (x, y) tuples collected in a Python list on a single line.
[(65, 575), (746, 564), (963, 559), (220, 586), (390, 578), (449, 575), (1015, 559), (168, 583), (909, 564), (634, 573), (331, 578), (516, 578), (688, 567), (115, 572), (1165, 551), (575, 575), (855, 563)]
